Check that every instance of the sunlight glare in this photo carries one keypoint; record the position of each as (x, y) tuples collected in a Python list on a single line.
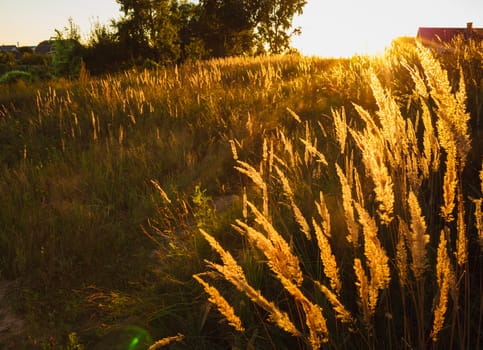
[(346, 27)]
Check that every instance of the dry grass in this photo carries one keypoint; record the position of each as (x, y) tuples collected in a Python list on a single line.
[(166, 341), (385, 223), (354, 220), (445, 281)]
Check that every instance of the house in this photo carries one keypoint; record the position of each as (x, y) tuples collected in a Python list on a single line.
[(8, 48), (45, 47), (12, 49), (436, 37)]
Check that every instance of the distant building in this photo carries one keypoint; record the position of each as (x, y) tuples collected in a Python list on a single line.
[(8, 48), (436, 37), (45, 47), (12, 49)]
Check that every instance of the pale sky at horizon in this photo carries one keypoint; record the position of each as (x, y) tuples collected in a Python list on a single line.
[(329, 28)]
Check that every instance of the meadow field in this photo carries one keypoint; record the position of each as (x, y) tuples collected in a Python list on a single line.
[(281, 202)]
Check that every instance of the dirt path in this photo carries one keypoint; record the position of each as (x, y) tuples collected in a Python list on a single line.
[(11, 325)]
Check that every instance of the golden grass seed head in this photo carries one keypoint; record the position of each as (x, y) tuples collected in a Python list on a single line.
[(479, 219), (340, 124), (166, 341), (222, 304), (402, 259), (311, 149), (481, 177), (362, 285), (376, 257), (352, 226), (418, 238), (444, 277), (290, 261), (233, 149), (450, 182), (328, 259), (341, 312), (461, 238), (324, 214)]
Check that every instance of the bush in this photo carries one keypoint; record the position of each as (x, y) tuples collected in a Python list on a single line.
[(15, 76), (35, 59)]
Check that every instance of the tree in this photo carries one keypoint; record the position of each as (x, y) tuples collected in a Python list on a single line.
[(165, 36), (67, 51), (233, 27), (187, 16), (132, 29), (273, 21), (175, 30), (149, 29), (226, 27), (103, 52)]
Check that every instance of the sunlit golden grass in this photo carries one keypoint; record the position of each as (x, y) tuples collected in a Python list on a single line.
[(77, 160), (333, 199), (387, 234)]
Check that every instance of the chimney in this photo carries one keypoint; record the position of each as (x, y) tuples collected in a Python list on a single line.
[(469, 30)]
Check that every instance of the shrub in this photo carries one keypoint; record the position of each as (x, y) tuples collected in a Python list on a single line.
[(15, 76)]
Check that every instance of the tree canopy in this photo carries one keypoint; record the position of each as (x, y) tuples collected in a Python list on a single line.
[(67, 51), (169, 30), (273, 21), (172, 31)]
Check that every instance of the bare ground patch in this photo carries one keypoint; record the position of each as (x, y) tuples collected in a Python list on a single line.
[(11, 324)]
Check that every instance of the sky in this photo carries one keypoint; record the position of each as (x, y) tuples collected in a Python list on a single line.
[(337, 28)]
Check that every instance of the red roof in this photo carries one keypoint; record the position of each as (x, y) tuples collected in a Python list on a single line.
[(436, 35)]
